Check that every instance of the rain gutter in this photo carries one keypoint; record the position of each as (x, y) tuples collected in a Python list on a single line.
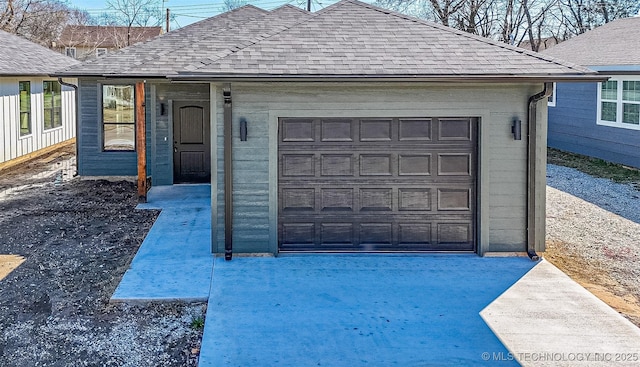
[(77, 115), (228, 173), (532, 185)]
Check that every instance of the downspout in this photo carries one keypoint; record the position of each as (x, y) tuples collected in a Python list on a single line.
[(228, 173), (532, 130), (75, 96)]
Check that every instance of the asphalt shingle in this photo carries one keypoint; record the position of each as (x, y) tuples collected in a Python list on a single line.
[(349, 38), (19, 56), (615, 43)]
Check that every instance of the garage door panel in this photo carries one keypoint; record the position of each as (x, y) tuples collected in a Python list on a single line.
[(298, 165), (414, 164), (454, 199), (414, 130), (337, 199), (377, 184), (375, 164), (298, 199), (414, 199), (455, 129), (454, 164), (337, 164), (414, 233), (298, 233), (376, 233), (297, 130), (337, 233), (378, 199), (454, 233), (337, 130), (375, 130)]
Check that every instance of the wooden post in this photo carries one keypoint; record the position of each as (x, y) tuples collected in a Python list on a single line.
[(141, 142)]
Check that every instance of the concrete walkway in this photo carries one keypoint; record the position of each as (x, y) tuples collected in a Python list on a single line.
[(174, 261), (373, 310)]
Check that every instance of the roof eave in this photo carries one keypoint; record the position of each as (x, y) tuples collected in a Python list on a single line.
[(595, 77), (400, 78)]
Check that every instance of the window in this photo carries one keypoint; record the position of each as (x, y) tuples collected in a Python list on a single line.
[(25, 108), (70, 51), (101, 52), (52, 105), (619, 103), (118, 118), (551, 100)]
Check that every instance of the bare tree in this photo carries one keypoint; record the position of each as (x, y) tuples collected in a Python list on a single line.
[(40, 21), (130, 13), (445, 10), (527, 23), (228, 5), (477, 17)]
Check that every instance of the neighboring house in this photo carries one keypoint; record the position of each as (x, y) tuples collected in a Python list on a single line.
[(84, 42), (36, 112), (351, 129), (600, 119)]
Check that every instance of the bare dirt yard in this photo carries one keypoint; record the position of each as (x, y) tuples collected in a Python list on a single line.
[(593, 228), (64, 245)]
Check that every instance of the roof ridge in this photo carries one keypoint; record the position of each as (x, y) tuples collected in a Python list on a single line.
[(179, 31), (267, 35), (469, 35), (189, 26), (292, 7)]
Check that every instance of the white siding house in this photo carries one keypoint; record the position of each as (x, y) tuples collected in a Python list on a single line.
[(36, 111)]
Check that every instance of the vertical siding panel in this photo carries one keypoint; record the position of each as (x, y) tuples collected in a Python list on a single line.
[(37, 110), (3, 121), (15, 146), (13, 118)]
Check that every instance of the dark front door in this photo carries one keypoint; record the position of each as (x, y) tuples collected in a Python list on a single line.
[(191, 142), (377, 184)]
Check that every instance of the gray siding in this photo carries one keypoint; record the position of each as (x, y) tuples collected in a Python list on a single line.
[(573, 128), (92, 161), (502, 181)]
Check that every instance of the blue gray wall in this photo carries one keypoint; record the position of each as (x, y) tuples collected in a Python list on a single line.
[(92, 161), (573, 128)]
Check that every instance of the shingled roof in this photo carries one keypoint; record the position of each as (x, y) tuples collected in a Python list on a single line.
[(615, 43), (19, 56), (348, 39)]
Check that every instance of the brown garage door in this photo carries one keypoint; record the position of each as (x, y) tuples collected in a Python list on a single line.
[(376, 184)]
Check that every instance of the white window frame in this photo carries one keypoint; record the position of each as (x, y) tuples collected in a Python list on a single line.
[(100, 50), (70, 51), (619, 103), (551, 100)]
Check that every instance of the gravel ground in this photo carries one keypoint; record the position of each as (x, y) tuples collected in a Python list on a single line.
[(78, 238), (593, 234)]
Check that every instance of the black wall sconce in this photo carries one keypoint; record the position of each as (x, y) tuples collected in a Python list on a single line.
[(516, 129), (163, 109), (243, 129)]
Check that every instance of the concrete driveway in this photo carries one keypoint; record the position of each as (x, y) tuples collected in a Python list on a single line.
[(356, 310), (373, 310)]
